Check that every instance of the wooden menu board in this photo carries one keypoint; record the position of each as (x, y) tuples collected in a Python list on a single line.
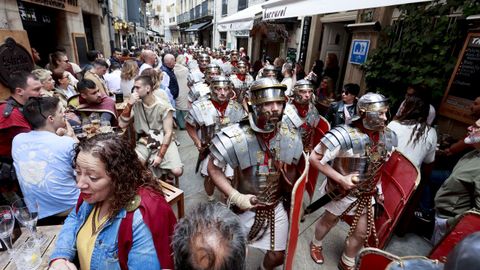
[(464, 84)]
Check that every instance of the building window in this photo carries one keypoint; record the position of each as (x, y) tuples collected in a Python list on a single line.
[(242, 4), (224, 7), (223, 38)]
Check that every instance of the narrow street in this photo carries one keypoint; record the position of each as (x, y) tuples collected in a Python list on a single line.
[(192, 185)]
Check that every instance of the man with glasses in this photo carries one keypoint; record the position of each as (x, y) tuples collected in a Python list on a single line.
[(344, 111), (23, 85), (43, 159)]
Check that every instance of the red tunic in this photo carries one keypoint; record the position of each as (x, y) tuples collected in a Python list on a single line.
[(10, 127)]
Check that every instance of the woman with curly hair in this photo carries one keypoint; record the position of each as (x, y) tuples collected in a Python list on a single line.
[(122, 220), (127, 76)]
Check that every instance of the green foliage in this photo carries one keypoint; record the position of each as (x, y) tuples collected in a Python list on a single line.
[(424, 51)]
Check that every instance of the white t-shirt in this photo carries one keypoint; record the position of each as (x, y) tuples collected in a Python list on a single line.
[(288, 81), (143, 67), (421, 152), (43, 162), (113, 81)]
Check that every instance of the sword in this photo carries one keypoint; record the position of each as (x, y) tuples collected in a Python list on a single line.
[(201, 156), (206, 139), (323, 201)]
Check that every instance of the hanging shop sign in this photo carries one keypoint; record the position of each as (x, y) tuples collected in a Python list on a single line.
[(66, 5), (359, 51), (13, 57), (242, 33)]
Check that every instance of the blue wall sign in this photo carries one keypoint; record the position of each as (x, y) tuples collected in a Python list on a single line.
[(359, 51)]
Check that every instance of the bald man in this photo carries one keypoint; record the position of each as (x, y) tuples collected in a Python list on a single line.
[(149, 58), (167, 67)]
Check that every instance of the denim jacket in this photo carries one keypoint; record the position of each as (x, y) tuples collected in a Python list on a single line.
[(105, 254)]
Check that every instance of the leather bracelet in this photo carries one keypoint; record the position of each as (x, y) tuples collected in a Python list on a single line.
[(163, 149)]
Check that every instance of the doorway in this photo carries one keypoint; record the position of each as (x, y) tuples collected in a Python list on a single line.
[(335, 40), (242, 42), (39, 23)]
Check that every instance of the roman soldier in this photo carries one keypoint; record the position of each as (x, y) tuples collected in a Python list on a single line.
[(206, 117), (264, 152), (233, 58), (211, 71), (303, 114), (269, 71), (241, 81), (356, 154), (203, 60)]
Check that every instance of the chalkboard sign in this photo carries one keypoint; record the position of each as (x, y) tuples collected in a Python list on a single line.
[(464, 84), (80, 48)]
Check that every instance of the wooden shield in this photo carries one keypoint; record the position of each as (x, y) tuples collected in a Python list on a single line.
[(320, 130), (295, 215), (467, 224)]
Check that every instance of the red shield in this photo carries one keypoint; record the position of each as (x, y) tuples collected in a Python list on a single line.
[(295, 215), (400, 178), (467, 224), (374, 259), (319, 131)]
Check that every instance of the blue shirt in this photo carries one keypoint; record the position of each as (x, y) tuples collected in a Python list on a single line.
[(43, 163), (142, 255)]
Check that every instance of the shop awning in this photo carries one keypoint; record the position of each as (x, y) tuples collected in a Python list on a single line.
[(242, 20), (280, 9), (198, 27)]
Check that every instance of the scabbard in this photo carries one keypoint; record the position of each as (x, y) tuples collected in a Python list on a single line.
[(322, 201), (201, 156)]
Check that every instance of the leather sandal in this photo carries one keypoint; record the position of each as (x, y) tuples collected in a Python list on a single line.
[(316, 253)]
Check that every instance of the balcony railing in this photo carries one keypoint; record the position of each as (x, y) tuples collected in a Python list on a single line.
[(205, 9)]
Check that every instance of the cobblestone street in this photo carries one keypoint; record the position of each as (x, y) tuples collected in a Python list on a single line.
[(192, 185)]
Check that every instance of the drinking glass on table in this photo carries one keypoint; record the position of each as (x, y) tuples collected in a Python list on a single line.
[(26, 212), (7, 221), (28, 255)]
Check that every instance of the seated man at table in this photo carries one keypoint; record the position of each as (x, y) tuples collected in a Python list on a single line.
[(43, 160), (461, 191), (90, 100)]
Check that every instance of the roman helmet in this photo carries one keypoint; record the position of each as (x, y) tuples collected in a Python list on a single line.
[(242, 67), (220, 82), (370, 106), (262, 91), (302, 85), (269, 71), (233, 55), (203, 60), (212, 70)]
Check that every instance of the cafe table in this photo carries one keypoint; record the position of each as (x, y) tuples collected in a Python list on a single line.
[(50, 232)]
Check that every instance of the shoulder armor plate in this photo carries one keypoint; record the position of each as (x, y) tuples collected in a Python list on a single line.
[(292, 114)]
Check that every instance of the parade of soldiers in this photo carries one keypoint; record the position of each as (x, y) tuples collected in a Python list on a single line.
[(196, 156)]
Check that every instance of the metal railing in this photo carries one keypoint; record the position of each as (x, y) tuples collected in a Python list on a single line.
[(202, 10)]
